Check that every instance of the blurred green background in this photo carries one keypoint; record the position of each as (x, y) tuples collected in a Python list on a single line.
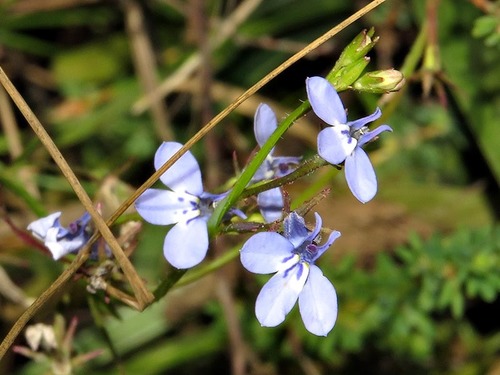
[(416, 269)]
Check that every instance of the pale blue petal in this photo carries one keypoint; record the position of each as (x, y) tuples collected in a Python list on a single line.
[(295, 229), (184, 176), (265, 252), (40, 227), (368, 136), (279, 294), (360, 176), (186, 244), (318, 303), (321, 249), (164, 207), (265, 123), (265, 171), (325, 101), (335, 144), (61, 247), (270, 203), (317, 228), (357, 124)]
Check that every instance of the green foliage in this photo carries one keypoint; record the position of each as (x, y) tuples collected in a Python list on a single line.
[(405, 305)]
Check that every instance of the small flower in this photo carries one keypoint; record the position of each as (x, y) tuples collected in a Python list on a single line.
[(271, 201), (342, 141), (292, 256), (58, 239), (186, 205)]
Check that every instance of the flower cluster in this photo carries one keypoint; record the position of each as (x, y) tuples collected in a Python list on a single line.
[(290, 252)]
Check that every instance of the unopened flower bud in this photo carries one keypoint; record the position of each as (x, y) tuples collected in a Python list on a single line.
[(347, 75), (380, 81), (358, 48)]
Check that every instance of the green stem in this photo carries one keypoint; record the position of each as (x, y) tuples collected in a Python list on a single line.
[(224, 206), (304, 169)]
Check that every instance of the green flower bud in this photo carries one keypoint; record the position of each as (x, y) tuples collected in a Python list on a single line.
[(380, 81), (357, 49), (347, 75)]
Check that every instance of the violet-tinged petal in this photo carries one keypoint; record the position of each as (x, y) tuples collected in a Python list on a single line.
[(368, 136), (60, 247), (266, 252), (265, 123), (164, 207), (279, 294), (184, 175), (317, 228), (270, 203), (335, 143), (318, 303), (295, 229), (265, 171), (321, 249), (325, 101), (358, 124), (186, 244), (283, 165), (40, 227), (360, 175)]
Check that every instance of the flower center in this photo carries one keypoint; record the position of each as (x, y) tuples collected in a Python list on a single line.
[(356, 134)]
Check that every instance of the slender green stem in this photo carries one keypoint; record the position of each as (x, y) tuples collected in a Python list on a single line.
[(167, 283), (224, 206), (304, 169)]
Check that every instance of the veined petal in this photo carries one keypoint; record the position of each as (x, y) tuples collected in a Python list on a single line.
[(325, 101), (357, 124), (265, 123), (270, 204), (318, 303), (279, 294), (360, 175), (295, 229), (40, 227), (184, 175), (186, 244), (164, 207), (335, 143), (266, 252), (368, 136)]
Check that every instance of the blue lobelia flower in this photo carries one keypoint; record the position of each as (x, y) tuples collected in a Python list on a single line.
[(292, 256), (60, 240), (343, 140), (270, 201), (186, 205)]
